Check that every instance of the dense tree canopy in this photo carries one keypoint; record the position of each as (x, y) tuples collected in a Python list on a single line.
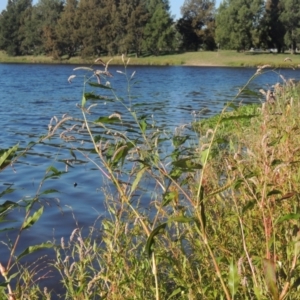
[(274, 29), (12, 25), (92, 27), (290, 18), (158, 33), (67, 29), (241, 24), (238, 24), (197, 24)]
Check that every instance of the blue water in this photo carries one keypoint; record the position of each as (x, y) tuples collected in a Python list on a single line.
[(30, 95)]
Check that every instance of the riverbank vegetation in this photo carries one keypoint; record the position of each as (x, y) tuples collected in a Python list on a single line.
[(85, 28), (214, 217), (221, 58)]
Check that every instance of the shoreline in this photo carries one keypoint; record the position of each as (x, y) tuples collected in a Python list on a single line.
[(191, 59)]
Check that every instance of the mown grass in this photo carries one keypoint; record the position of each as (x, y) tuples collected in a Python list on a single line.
[(222, 218), (220, 58)]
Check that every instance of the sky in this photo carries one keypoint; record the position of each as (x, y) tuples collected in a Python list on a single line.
[(175, 6)]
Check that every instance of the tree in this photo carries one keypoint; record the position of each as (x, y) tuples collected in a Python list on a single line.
[(112, 30), (273, 27), (238, 24), (190, 40), (47, 14), (134, 17), (92, 17), (197, 24), (67, 29), (10, 24), (30, 40), (290, 18), (159, 31)]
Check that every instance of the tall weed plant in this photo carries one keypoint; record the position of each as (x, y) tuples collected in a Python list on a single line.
[(214, 217)]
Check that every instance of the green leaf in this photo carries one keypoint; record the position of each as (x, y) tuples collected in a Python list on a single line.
[(31, 220), (143, 125), (179, 140), (204, 156), (169, 197), (4, 155), (175, 154), (150, 239), (175, 292), (7, 229), (32, 249), (108, 120), (250, 93), (175, 173), (102, 86), (233, 278), (249, 205), (274, 192), (231, 105), (120, 153), (238, 183), (270, 277), (187, 164), (6, 191), (83, 101), (49, 191), (73, 154), (288, 217), (143, 162), (92, 96), (7, 205), (202, 208), (54, 172), (137, 179), (181, 219), (5, 283), (276, 162), (52, 169)]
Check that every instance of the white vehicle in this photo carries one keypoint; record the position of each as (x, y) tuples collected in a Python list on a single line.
[(273, 50)]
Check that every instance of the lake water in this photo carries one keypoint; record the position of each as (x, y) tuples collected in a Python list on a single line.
[(30, 95)]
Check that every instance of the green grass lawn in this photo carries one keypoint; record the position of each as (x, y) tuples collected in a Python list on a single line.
[(202, 58)]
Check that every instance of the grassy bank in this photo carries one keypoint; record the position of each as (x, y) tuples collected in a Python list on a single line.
[(215, 218), (220, 58)]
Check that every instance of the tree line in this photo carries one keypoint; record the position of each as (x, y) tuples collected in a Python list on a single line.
[(241, 24), (96, 27)]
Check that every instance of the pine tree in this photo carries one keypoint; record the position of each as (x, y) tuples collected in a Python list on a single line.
[(11, 31), (67, 29), (112, 30), (47, 14), (91, 18), (133, 17), (159, 31)]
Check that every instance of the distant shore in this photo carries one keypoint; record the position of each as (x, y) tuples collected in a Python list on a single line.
[(201, 59)]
